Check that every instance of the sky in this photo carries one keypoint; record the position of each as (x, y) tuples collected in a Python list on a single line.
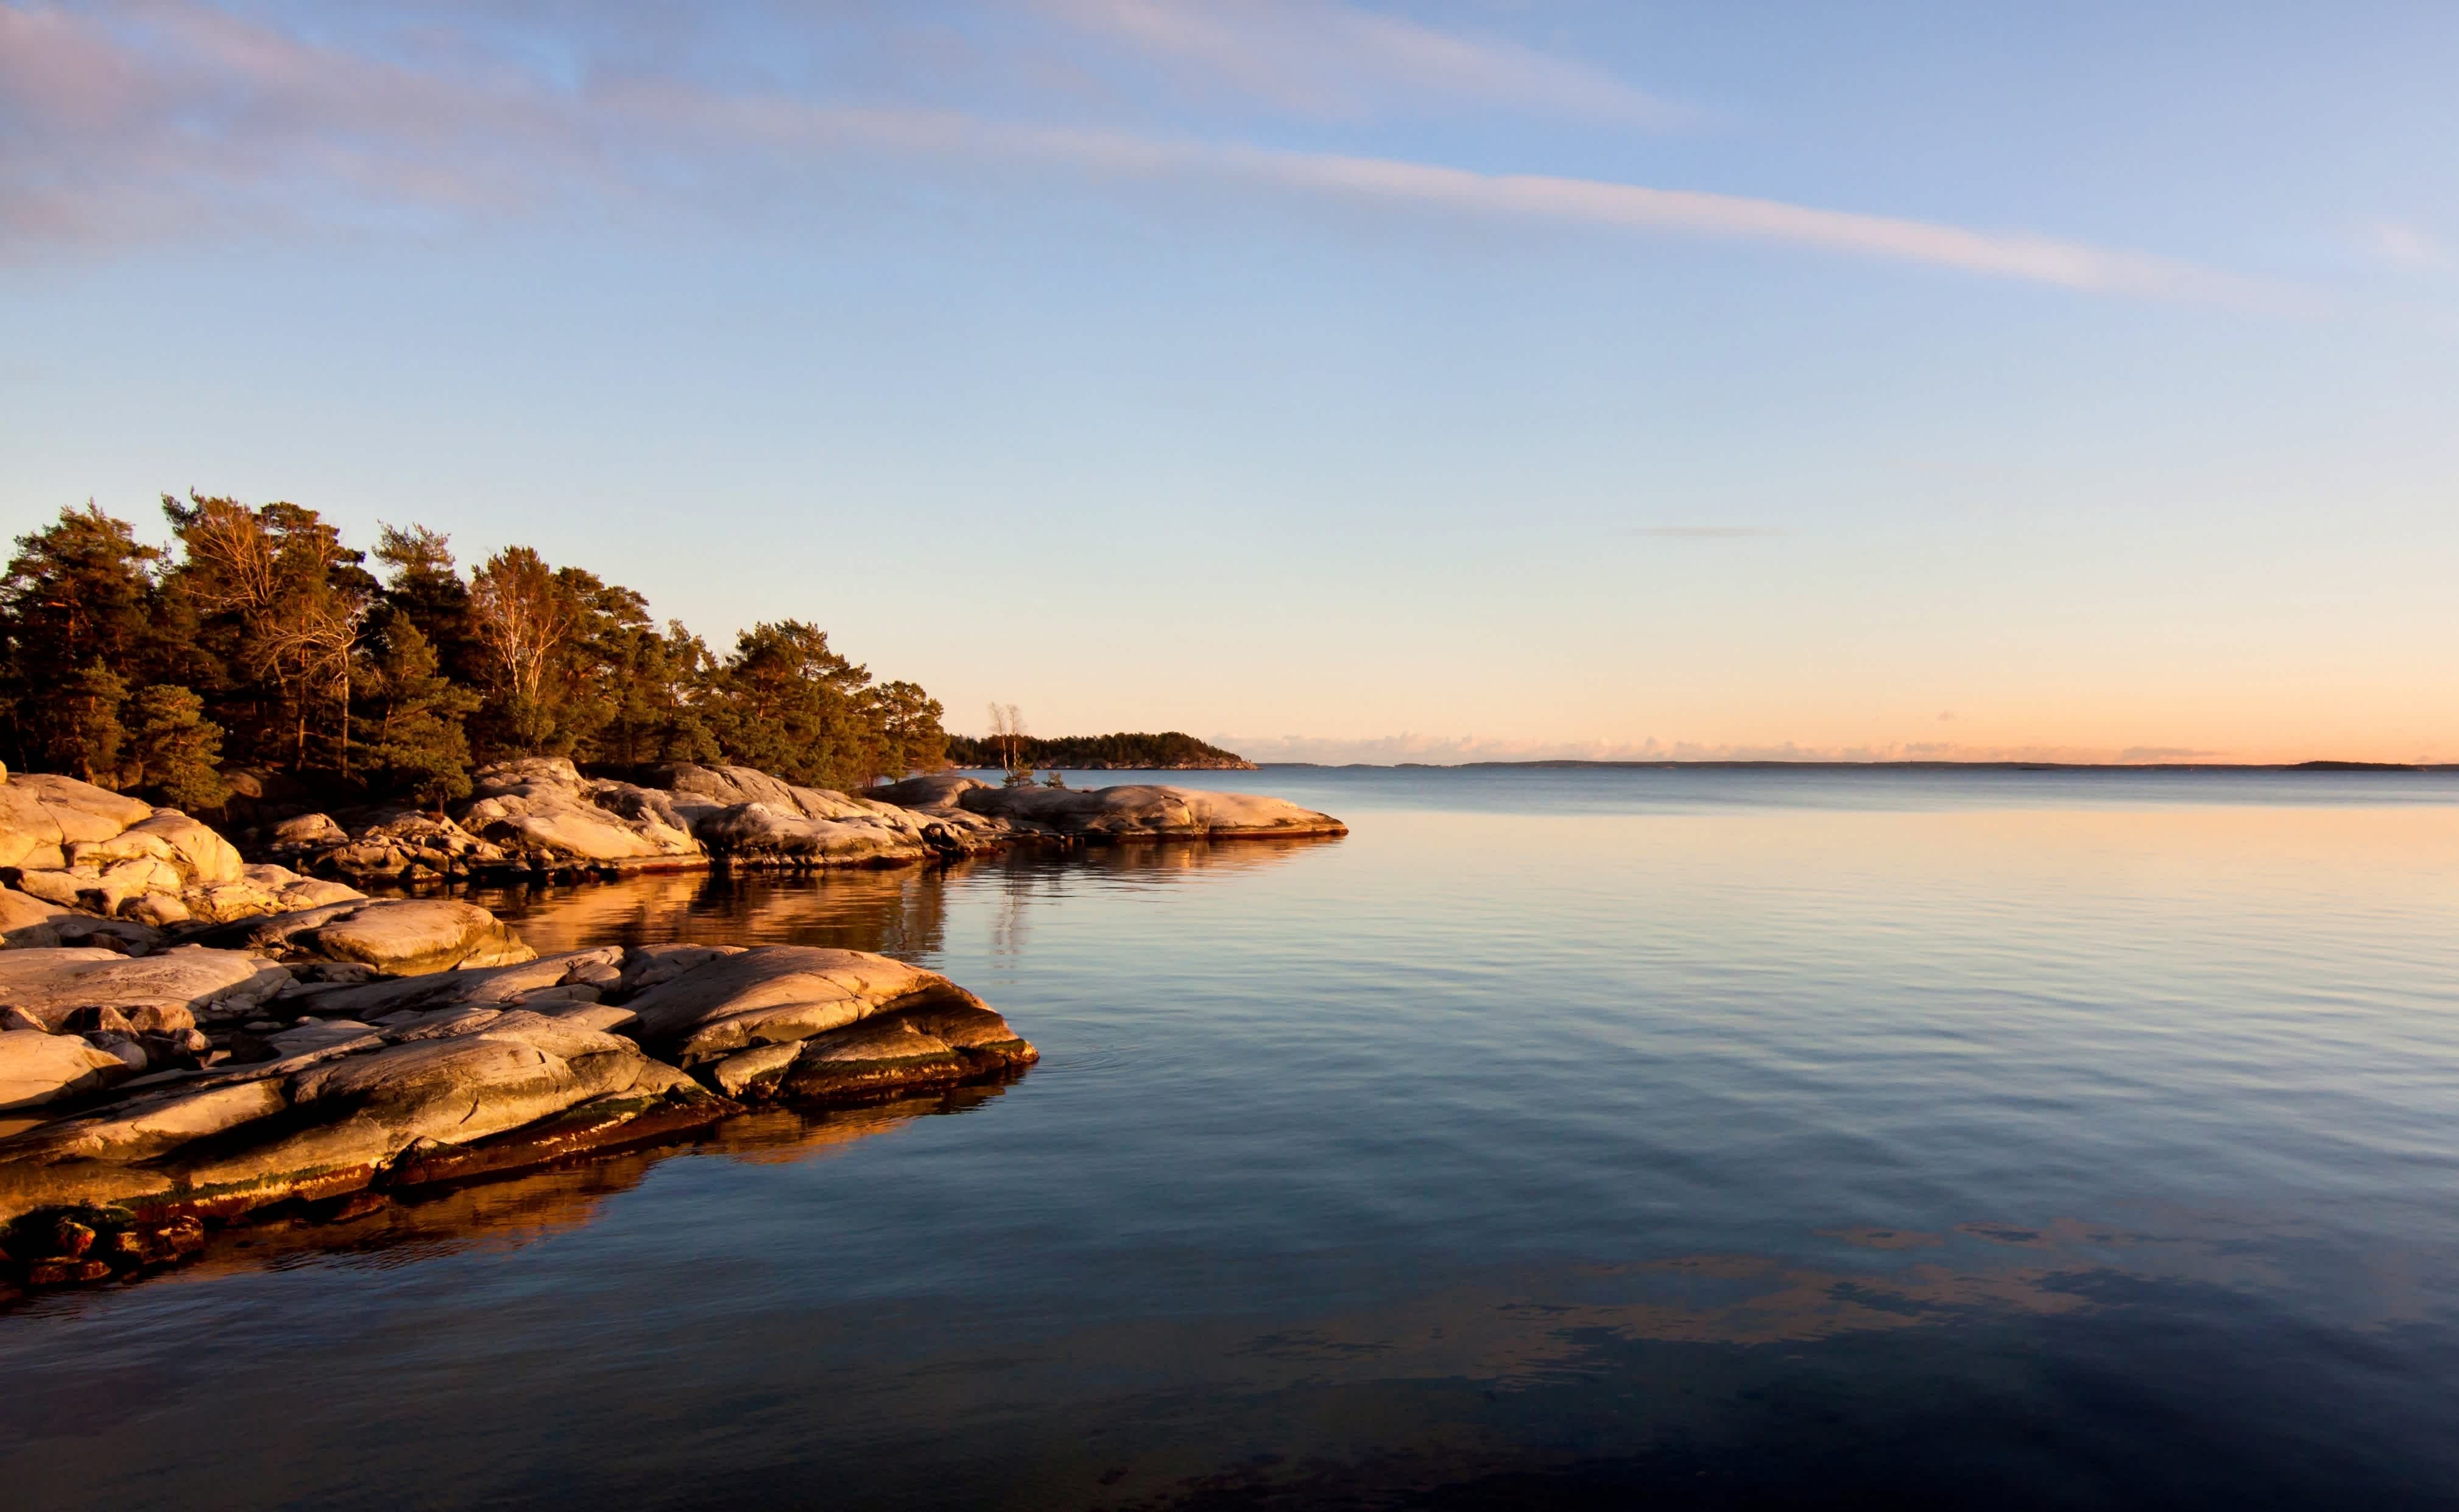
[(1376, 382)]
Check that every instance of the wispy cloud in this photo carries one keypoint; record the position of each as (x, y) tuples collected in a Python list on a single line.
[(2406, 247), (173, 118), (1333, 59)]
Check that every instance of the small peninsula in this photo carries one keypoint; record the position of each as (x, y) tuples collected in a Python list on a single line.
[(188, 1037), (244, 776)]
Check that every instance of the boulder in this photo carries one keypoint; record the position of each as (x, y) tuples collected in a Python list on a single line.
[(37, 1067), (750, 817), (27, 921), (756, 833), (60, 887), (308, 832), (52, 984), (396, 936), (159, 910), (198, 855), (86, 848), (263, 889), (42, 814), (544, 805)]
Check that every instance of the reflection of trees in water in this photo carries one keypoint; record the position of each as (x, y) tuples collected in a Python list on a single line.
[(901, 911)]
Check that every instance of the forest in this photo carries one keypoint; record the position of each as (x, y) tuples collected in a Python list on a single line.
[(259, 642)]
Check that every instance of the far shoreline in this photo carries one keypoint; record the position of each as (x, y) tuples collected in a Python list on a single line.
[(2317, 766)]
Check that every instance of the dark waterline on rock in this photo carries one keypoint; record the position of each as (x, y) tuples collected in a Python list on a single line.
[(1560, 1136)]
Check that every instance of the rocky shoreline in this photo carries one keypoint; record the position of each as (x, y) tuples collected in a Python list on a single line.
[(188, 1039), (542, 818)]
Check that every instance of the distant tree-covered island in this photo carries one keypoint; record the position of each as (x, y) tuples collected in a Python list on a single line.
[(260, 645), (1170, 751)]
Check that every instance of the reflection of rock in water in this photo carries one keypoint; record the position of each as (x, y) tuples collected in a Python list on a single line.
[(507, 1214), (901, 912)]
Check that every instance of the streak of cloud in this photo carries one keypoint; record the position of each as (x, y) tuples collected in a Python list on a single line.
[(177, 118), (1339, 60)]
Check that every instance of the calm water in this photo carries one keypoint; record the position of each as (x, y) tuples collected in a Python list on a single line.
[(1558, 1138)]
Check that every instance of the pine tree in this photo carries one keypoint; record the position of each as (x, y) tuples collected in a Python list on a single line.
[(76, 593), (789, 705), (423, 582), (415, 739), (91, 736), (178, 748)]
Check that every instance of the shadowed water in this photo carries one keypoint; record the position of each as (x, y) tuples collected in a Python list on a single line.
[(1561, 1138)]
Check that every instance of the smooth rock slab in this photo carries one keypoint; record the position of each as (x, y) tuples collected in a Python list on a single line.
[(35, 1068), (778, 993), (348, 1120), (140, 1127), (49, 984)]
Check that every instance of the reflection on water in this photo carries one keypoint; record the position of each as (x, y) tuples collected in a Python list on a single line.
[(508, 1214), (899, 912), (1563, 1139)]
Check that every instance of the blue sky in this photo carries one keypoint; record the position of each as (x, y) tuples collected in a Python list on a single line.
[(1399, 381)]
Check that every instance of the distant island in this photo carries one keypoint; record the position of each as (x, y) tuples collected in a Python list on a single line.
[(1170, 751)]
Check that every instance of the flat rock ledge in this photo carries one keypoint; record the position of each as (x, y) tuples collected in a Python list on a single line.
[(145, 1099)]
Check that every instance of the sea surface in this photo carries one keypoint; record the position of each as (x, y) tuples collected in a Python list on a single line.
[(1561, 1138)]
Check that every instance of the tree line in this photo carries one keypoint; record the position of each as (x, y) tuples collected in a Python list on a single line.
[(1008, 745), (259, 640)]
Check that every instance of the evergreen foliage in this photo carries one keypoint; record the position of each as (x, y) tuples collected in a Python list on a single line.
[(261, 638), (91, 736), (178, 749)]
